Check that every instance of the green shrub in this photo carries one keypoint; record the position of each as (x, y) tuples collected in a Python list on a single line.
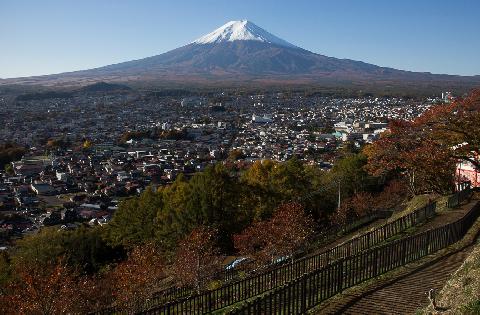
[(472, 308)]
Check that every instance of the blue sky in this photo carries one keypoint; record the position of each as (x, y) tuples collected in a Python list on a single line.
[(47, 36)]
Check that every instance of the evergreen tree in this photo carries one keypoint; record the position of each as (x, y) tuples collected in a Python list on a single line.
[(135, 220)]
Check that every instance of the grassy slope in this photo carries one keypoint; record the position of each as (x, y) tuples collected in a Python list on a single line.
[(461, 293)]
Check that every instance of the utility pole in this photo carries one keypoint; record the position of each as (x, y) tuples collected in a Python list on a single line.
[(339, 195)]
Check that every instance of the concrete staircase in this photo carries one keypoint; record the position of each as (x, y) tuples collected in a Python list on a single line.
[(408, 294)]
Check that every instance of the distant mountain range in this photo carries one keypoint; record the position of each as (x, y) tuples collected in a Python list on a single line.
[(242, 52)]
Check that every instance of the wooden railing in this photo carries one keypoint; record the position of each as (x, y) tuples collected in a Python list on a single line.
[(280, 276), (301, 294), (325, 237), (175, 293), (178, 293)]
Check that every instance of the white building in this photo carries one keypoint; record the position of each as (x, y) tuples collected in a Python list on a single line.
[(261, 119)]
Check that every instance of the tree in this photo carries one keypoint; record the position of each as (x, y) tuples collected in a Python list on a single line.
[(40, 249), (262, 196), (135, 135), (409, 151), (278, 238), (291, 229), (209, 198), (197, 259), (171, 226), (290, 179), (86, 249), (212, 200), (235, 154), (252, 241), (5, 270), (362, 203), (9, 169), (134, 222), (270, 184), (426, 149), (343, 214), (10, 152), (138, 277), (83, 249), (322, 196), (393, 194), (50, 289), (87, 144), (456, 125), (430, 167), (349, 171), (57, 143)]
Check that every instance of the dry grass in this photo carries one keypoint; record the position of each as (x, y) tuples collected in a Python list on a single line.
[(461, 293), (413, 204), (408, 206)]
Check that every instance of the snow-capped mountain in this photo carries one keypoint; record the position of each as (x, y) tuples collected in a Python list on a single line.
[(241, 30), (241, 52)]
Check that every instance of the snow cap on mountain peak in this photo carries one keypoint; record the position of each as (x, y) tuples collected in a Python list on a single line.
[(241, 30)]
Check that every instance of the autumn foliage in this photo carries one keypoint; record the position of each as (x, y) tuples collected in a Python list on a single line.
[(457, 125), (51, 289), (136, 279), (426, 150), (277, 238), (364, 203), (197, 259), (393, 194), (359, 205)]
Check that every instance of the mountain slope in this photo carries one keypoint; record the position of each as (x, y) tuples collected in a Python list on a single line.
[(240, 51), (239, 56), (241, 30)]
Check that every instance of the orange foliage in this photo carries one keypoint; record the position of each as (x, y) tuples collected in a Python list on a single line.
[(409, 149), (456, 125), (427, 149), (197, 259), (51, 289), (277, 238), (362, 203), (138, 277), (392, 195)]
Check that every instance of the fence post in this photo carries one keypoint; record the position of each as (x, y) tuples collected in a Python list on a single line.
[(427, 251), (274, 278), (303, 299), (340, 276), (209, 296)]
